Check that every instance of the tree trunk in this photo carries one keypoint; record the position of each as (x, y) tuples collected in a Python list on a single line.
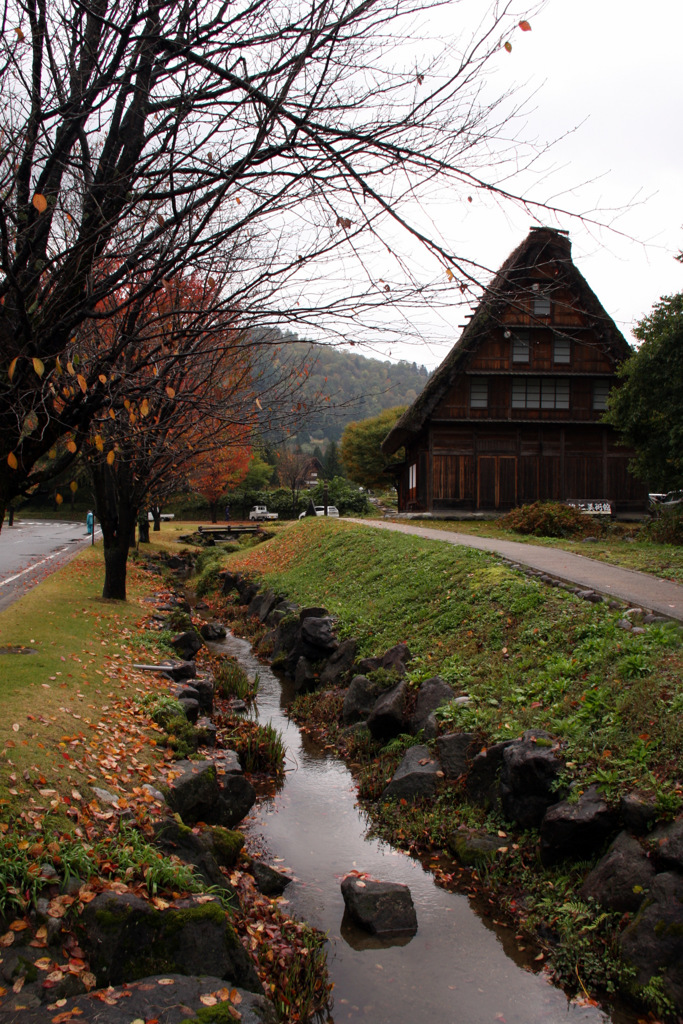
[(143, 528), (214, 511), (156, 516), (115, 568)]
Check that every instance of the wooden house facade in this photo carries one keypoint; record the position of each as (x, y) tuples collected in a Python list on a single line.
[(513, 413)]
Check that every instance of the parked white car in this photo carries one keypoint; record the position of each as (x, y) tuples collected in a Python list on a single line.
[(165, 517), (332, 510)]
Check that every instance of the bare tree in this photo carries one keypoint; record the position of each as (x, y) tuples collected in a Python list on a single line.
[(248, 144)]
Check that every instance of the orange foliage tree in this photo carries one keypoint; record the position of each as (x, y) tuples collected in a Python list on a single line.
[(220, 470)]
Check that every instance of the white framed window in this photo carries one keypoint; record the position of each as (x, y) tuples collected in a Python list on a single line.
[(562, 351), (541, 305), (601, 390), (540, 393), (412, 477), (521, 347), (479, 393)]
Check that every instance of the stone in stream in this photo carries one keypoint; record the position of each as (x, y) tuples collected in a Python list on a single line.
[(213, 631), (269, 881), (381, 908), (395, 658)]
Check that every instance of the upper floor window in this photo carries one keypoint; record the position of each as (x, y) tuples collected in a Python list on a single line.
[(479, 393), (541, 305), (601, 390), (540, 393), (520, 347), (562, 350)]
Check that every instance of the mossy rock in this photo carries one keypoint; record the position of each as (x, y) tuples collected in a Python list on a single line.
[(474, 850), (125, 939), (226, 845)]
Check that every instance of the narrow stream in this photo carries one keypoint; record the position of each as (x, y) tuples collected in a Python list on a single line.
[(458, 969)]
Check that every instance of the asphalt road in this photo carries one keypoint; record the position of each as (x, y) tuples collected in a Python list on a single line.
[(638, 588), (31, 550)]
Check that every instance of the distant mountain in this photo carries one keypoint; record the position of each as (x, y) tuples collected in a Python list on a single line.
[(341, 387)]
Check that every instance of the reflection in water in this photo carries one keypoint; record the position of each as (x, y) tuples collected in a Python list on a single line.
[(456, 970)]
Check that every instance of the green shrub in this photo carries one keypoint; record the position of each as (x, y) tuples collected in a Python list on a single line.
[(550, 519)]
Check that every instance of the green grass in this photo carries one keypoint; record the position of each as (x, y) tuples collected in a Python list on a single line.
[(528, 655), (624, 545)]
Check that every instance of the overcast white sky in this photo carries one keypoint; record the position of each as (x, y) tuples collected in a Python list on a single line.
[(613, 70)]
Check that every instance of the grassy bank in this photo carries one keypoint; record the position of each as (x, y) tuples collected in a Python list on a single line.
[(625, 545), (528, 656), (78, 717)]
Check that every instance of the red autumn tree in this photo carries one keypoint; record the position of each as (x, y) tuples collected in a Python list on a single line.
[(220, 470)]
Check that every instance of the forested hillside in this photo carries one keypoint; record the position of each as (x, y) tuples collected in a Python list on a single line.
[(342, 386)]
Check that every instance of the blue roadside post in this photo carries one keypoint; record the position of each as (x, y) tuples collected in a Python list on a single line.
[(90, 525)]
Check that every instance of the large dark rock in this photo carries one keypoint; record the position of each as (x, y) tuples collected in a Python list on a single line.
[(456, 751), (286, 636), (431, 695), (339, 663), (416, 776), (394, 659), (126, 938), (482, 783), (621, 880), (638, 812), (178, 670), (230, 581), (381, 908), (205, 688), (653, 942), (318, 634), (387, 718), (190, 706), (667, 845), (213, 791), (269, 881), (306, 675), (213, 631), (578, 830), (193, 792), (281, 610), (314, 612), (528, 778), (168, 998), (262, 605), (175, 839), (359, 700), (187, 644)]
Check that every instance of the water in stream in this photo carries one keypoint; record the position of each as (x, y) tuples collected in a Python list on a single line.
[(457, 969)]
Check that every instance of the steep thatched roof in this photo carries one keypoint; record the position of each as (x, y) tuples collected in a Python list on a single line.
[(543, 248)]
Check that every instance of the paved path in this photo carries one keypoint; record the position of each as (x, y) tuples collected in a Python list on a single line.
[(32, 549), (638, 588)]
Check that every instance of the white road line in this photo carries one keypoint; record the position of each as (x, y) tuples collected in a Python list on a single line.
[(23, 572)]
